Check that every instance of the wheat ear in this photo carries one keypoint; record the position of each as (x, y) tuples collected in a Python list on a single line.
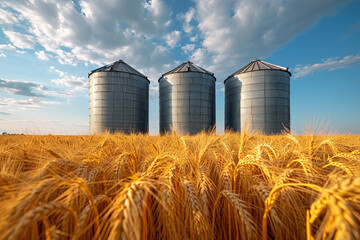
[(38, 213), (128, 211)]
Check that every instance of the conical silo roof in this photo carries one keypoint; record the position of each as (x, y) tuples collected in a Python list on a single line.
[(118, 66), (258, 65), (188, 67)]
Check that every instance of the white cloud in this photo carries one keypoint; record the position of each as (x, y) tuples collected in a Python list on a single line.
[(189, 15), (153, 91), (30, 89), (194, 38), (100, 33), (65, 57), (2, 54), (22, 41), (234, 32), (60, 73), (187, 18), (30, 103), (230, 32), (7, 17), (42, 55), (201, 57), (329, 64), (23, 88), (188, 48), (7, 47), (172, 38), (158, 11), (74, 82)]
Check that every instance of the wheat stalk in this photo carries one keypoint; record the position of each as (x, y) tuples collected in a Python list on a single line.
[(37, 213), (128, 211), (241, 211), (174, 187), (85, 214), (51, 233)]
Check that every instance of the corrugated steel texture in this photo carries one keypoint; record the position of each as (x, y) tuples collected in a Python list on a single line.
[(258, 100), (187, 100), (118, 100)]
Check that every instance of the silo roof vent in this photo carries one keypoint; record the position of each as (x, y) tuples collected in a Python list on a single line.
[(118, 66), (188, 67), (258, 65)]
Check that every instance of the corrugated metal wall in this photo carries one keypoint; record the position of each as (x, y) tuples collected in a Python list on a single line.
[(119, 102), (187, 102), (258, 100)]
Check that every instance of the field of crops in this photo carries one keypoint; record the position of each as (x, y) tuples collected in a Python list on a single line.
[(208, 186)]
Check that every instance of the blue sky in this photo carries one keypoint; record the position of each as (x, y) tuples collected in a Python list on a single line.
[(47, 48)]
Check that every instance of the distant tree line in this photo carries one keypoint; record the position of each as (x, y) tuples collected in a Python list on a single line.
[(5, 133)]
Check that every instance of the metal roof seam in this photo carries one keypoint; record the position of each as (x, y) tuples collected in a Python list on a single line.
[(261, 65), (187, 66), (268, 66), (119, 66)]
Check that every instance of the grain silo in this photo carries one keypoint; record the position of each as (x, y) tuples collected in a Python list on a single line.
[(187, 99), (257, 97), (118, 99)]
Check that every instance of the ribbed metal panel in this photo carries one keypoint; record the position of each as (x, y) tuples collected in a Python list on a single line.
[(187, 102), (118, 102), (258, 100)]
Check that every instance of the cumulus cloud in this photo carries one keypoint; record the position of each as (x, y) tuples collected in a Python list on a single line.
[(20, 88), (194, 38), (7, 47), (30, 103), (93, 32), (74, 82), (42, 55), (234, 32), (29, 89), (328, 64), (153, 91), (187, 20), (230, 33), (22, 41), (188, 48), (173, 38), (2, 54), (11, 48), (7, 17), (201, 57)]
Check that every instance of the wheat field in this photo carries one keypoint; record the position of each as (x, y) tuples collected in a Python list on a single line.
[(207, 186)]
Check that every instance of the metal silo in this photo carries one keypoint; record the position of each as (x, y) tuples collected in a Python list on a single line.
[(118, 99), (187, 99), (257, 97)]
